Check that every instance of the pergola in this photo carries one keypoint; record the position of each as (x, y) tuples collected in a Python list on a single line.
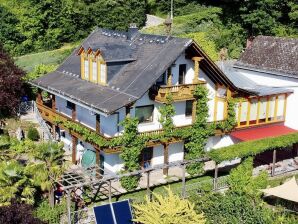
[(95, 176)]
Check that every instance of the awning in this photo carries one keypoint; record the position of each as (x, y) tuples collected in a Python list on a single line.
[(261, 132), (287, 191)]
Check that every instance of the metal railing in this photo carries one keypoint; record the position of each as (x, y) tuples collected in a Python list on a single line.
[(42, 122)]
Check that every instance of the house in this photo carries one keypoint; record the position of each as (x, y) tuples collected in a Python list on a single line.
[(117, 74)]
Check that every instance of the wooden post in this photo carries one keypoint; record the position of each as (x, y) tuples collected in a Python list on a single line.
[(166, 158), (54, 131), (196, 68), (74, 149), (51, 197), (53, 102), (273, 162), (97, 123), (68, 207), (39, 97), (148, 185), (110, 191), (74, 112), (183, 193), (215, 177)]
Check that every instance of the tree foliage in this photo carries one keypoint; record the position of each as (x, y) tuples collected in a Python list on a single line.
[(10, 84), (18, 213), (168, 209), (34, 25)]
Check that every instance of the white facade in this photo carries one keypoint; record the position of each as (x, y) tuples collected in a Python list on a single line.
[(273, 80)]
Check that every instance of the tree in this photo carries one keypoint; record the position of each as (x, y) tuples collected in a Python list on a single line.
[(18, 213), (15, 183), (169, 209), (10, 84)]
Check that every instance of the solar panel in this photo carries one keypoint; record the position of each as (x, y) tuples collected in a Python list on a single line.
[(114, 213)]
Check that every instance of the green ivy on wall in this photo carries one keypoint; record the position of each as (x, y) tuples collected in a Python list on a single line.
[(230, 122), (167, 111), (200, 131)]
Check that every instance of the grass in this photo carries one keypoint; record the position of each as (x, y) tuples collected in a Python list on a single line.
[(54, 57)]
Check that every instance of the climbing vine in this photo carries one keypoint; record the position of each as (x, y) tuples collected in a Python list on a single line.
[(230, 122), (132, 147), (167, 111), (200, 131)]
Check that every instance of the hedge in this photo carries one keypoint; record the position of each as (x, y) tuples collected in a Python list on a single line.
[(252, 148)]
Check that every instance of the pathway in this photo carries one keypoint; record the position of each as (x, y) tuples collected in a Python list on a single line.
[(153, 21)]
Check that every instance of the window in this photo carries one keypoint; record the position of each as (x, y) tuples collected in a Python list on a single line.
[(188, 108), (103, 73), (182, 72), (144, 113), (94, 71), (86, 63), (70, 105), (162, 79)]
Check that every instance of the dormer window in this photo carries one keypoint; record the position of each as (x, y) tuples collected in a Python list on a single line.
[(93, 66)]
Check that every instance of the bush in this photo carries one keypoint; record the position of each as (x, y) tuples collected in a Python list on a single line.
[(18, 213), (48, 214), (130, 182), (33, 134)]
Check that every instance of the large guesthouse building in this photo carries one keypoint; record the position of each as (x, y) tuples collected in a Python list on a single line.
[(115, 74)]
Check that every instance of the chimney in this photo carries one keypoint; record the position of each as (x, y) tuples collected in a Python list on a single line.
[(132, 31)]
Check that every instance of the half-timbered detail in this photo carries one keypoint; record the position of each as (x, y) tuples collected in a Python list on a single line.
[(115, 75)]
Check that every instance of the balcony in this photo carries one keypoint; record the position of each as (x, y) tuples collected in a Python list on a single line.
[(180, 92)]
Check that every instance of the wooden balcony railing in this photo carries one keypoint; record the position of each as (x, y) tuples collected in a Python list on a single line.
[(179, 92)]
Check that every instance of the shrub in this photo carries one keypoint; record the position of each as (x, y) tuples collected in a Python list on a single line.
[(167, 209), (33, 134), (48, 214), (129, 182)]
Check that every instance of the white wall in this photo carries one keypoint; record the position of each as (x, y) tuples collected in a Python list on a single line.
[(216, 142), (112, 162), (180, 119), (176, 152), (279, 81), (189, 70), (61, 106), (158, 155)]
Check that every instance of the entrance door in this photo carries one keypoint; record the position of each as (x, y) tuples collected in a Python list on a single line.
[(146, 157)]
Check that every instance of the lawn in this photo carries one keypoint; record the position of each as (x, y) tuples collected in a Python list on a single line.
[(54, 57)]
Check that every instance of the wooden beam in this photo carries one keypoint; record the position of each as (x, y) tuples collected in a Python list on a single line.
[(285, 106), (53, 102), (258, 110), (196, 68), (148, 185), (74, 149), (239, 112), (215, 105), (183, 193), (275, 108), (97, 125), (248, 112), (83, 65), (267, 108), (166, 158), (39, 97), (273, 162)]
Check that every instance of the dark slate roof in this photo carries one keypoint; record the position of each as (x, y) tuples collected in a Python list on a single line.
[(271, 54), (244, 83), (134, 65)]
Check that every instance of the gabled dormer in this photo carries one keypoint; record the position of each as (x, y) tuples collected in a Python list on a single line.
[(93, 66)]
